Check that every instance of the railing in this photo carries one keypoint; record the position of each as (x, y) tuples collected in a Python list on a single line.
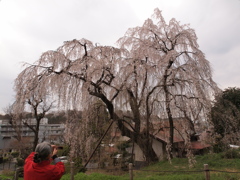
[(205, 170), (7, 165)]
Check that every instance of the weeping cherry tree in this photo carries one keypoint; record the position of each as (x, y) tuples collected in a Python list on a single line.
[(157, 70), (170, 72)]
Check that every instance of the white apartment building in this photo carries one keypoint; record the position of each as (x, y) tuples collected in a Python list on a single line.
[(52, 133)]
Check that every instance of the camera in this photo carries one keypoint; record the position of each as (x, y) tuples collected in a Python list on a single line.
[(59, 147)]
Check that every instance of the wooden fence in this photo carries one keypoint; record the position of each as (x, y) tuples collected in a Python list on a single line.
[(205, 170)]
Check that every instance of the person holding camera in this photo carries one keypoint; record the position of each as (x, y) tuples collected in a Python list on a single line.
[(38, 164)]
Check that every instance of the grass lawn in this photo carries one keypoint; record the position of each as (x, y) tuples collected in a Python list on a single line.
[(178, 170)]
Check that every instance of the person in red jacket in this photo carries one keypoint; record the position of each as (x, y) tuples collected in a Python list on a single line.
[(38, 164)]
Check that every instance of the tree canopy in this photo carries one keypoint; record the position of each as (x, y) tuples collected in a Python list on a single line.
[(156, 72), (225, 116)]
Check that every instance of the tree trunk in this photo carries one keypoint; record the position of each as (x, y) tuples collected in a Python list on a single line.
[(168, 109), (36, 138), (35, 142), (145, 144), (141, 139)]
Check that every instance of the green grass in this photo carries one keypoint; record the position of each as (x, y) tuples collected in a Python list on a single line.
[(179, 166), (94, 176)]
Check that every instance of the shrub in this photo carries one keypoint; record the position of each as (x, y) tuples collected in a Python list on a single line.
[(5, 159), (15, 154), (231, 154), (20, 162), (7, 172)]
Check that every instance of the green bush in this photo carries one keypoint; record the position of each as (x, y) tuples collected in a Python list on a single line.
[(7, 173), (20, 162), (5, 159), (15, 154), (231, 154)]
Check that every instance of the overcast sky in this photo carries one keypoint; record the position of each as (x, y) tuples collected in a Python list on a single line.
[(30, 27)]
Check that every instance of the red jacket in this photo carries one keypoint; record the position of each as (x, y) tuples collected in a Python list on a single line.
[(43, 170)]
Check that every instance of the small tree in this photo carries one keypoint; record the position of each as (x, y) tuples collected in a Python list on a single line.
[(24, 146), (225, 116), (74, 135), (16, 125), (38, 107), (84, 129)]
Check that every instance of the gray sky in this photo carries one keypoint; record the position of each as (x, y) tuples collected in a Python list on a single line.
[(30, 27)]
